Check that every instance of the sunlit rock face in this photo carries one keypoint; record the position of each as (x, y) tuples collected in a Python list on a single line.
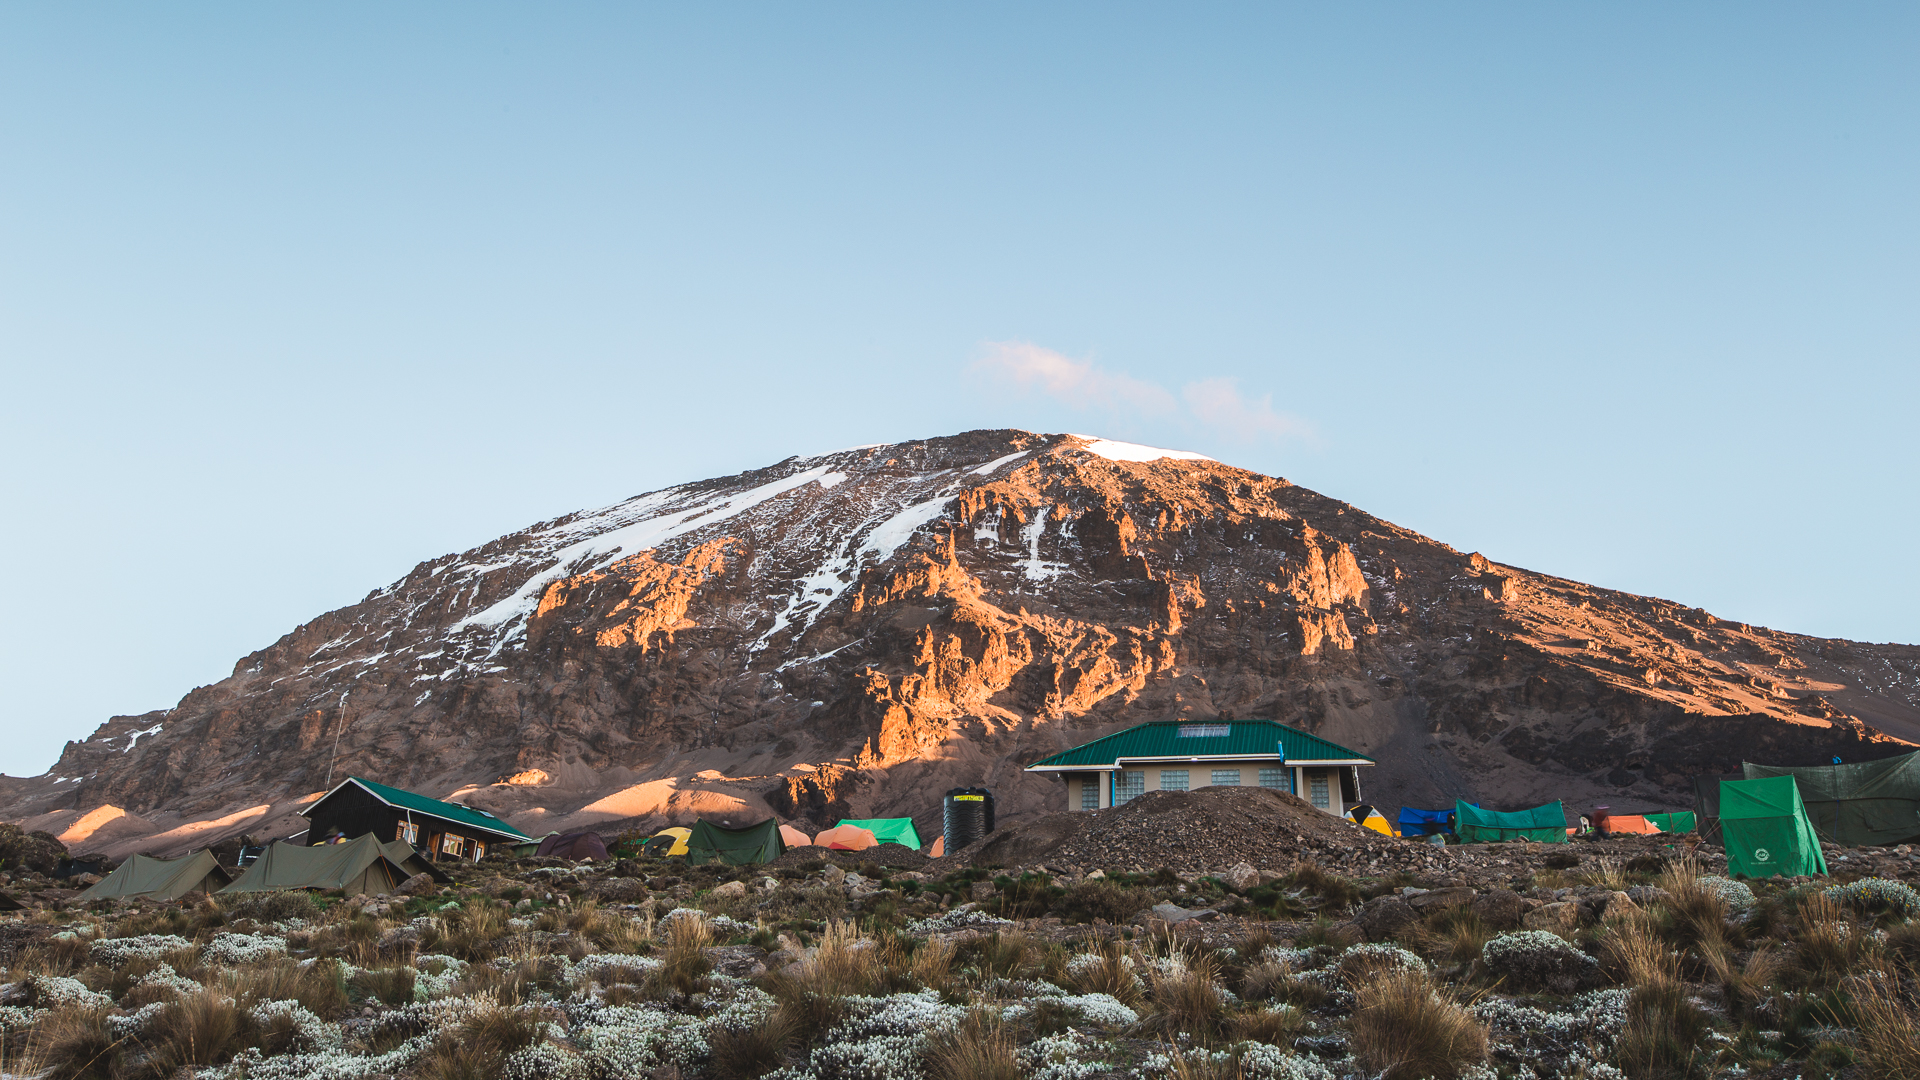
[(852, 633)]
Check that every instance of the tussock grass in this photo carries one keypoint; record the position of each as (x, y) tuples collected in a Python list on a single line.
[(978, 1048), (932, 967), (1691, 915), (197, 1030), (1745, 984), (53, 956), (1407, 1028), (683, 956), (470, 932), (475, 1049), (1278, 1027), (73, 1044), (1453, 936), (1829, 945), (1605, 872), (321, 987), (391, 985), (1105, 900), (1187, 1000), (744, 1053), (1113, 971), (1665, 1030), (1889, 1033)]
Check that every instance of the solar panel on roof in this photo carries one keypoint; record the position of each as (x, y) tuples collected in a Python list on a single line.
[(1203, 731)]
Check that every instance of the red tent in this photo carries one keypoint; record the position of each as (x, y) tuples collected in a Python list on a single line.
[(574, 845)]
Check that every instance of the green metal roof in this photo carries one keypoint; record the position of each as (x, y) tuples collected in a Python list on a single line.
[(420, 804), (1236, 738)]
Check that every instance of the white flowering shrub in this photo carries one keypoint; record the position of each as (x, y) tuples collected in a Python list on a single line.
[(881, 1039), (721, 924), (165, 976), (436, 975), (324, 1064), (622, 1041), (1377, 958), (543, 1061), (1873, 895), (16, 1021), (1737, 895), (117, 952), (310, 1032), (236, 949), (948, 921), (135, 1022), (1069, 1055), (1256, 1061), (1102, 1010), (1297, 959), (1553, 1038), (1538, 959), (57, 991)]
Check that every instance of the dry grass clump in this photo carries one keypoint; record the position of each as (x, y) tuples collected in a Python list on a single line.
[(1107, 900), (683, 956), (932, 967), (1889, 1032), (470, 932), (1008, 955), (1665, 1031), (392, 986), (1406, 1028), (1745, 984), (54, 956), (268, 907), (1830, 944), (1278, 1026), (1186, 1000), (1606, 872), (980, 1047), (1109, 969), (1691, 914), (73, 1044), (745, 1052), (1453, 936), (321, 987), (197, 1030), (476, 1048)]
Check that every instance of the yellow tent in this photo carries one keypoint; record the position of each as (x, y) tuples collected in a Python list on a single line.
[(673, 840), (1367, 816)]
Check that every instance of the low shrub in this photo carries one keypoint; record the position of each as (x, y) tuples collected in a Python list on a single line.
[(1876, 897), (1086, 901), (980, 1047), (1538, 960)]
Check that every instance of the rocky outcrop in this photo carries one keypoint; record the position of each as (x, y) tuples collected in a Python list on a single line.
[(848, 635)]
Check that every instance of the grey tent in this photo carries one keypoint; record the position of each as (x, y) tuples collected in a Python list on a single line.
[(360, 865), (1871, 802), (161, 879)]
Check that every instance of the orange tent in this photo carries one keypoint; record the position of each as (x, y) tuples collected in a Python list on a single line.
[(938, 849), (794, 837), (846, 838), (1627, 823)]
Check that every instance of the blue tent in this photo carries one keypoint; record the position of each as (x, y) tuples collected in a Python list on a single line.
[(1424, 822)]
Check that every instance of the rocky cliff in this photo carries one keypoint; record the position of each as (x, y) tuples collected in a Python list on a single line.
[(851, 633)]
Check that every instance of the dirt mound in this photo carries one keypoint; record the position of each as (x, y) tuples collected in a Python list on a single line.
[(893, 856), (1193, 831)]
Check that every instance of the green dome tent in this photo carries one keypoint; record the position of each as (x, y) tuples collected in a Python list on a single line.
[(735, 847), (1546, 824), (1765, 828), (887, 830), (161, 879)]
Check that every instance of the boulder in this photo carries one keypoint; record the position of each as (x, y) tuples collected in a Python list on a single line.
[(982, 890), (1384, 916), (1346, 934), (832, 874), (731, 890), (414, 886), (1440, 899), (1500, 909), (1560, 918), (738, 961), (1241, 877)]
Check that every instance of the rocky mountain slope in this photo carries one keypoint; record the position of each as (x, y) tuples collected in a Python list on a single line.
[(851, 633)]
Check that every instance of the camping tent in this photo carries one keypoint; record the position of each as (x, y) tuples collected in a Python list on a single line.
[(753, 844), (938, 849), (1364, 815), (846, 838), (793, 837), (1546, 824), (577, 846), (405, 857), (161, 879), (1624, 824), (1765, 828), (1706, 803), (1424, 822), (671, 841), (888, 830), (1872, 802), (360, 865), (1681, 822)]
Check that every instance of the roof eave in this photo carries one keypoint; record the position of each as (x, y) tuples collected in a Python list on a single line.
[(1121, 763)]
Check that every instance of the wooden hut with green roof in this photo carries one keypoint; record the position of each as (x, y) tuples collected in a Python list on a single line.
[(443, 830), (1179, 755)]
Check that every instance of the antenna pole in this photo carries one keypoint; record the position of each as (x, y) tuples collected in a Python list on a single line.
[(328, 786)]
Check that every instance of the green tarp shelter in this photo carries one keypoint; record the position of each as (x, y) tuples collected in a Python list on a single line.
[(1546, 824), (1871, 802), (1765, 829), (161, 879), (1681, 822), (407, 858), (735, 847), (887, 830), (360, 865)]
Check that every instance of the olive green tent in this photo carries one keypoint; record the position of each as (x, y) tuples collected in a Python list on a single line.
[(1546, 824), (1682, 822), (413, 862), (1765, 828), (753, 844), (360, 865), (161, 879), (1870, 802), (887, 830)]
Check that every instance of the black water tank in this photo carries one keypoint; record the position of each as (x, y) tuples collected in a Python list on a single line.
[(967, 815)]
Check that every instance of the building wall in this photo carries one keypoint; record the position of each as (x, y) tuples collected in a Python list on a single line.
[(1200, 774)]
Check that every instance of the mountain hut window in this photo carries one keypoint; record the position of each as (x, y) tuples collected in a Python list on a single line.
[(1277, 779), (408, 832), (1127, 786), (1317, 791), (1226, 778), (1090, 792), (1173, 779)]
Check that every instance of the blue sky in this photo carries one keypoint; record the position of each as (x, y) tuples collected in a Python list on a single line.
[(293, 297)]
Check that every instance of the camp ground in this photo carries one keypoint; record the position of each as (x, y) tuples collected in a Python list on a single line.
[(1545, 824), (360, 865), (1856, 805), (444, 830), (161, 879)]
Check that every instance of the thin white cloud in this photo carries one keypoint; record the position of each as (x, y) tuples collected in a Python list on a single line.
[(1215, 405)]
